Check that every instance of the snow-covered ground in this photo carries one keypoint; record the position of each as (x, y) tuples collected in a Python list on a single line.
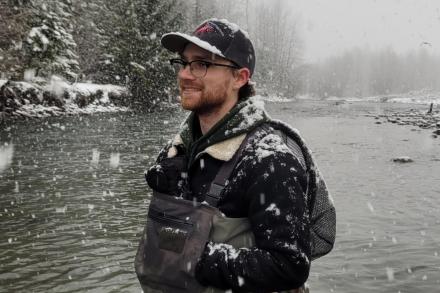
[(74, 91), (414, 97), (70, 106), (40, 111), (273, 98), (59, 86)]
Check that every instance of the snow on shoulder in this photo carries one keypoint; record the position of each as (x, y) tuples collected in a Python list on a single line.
[(252, 112), (270, 145)]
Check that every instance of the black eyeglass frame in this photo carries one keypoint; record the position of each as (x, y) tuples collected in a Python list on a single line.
[(184, 63)]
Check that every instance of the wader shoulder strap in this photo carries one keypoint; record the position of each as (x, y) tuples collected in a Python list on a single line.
[(220, 180)]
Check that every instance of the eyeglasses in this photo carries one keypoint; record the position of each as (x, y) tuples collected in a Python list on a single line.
[(198, 68)]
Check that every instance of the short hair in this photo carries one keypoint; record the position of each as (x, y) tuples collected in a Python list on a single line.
[(246, 91)]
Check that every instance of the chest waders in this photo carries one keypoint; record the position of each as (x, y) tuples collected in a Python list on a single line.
[(177, 231), (173, 239)]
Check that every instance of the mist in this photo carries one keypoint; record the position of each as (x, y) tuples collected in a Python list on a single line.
[(340, 48)]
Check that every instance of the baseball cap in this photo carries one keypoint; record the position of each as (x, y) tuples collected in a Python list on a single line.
[(218, 36)]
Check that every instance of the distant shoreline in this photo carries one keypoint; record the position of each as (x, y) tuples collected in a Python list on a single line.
[(27, 100), (399, 113), (24, 100)]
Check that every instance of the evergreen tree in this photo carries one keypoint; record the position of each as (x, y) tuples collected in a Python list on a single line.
[(49, 46), (133, 54), (88, 36), (13, 30)]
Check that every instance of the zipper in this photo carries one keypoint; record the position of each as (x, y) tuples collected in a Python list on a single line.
[(164, 218)]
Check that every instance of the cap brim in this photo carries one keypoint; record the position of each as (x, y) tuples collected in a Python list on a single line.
[(176, 42)]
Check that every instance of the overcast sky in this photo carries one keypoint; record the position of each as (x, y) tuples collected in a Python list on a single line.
[(330, 26)]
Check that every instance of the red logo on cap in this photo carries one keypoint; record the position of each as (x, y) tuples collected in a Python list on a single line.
[(204, 28)]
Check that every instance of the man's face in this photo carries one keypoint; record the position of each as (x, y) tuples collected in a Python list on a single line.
[(206, 94)]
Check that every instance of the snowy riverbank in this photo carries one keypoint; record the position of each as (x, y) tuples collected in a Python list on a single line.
[(58, 97), (422, 97), (415, 117), (20, 99), (422, 108)]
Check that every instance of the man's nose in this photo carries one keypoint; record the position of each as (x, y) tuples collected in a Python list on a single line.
[(185, 73)]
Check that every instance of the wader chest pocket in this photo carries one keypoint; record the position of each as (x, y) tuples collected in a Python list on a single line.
[(174, 238), (172, 232)]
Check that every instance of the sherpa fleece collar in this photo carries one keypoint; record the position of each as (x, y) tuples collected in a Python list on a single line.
[(225, 137), (221, 151)]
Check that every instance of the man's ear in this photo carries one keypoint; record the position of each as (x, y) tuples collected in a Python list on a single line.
[(242, 76)]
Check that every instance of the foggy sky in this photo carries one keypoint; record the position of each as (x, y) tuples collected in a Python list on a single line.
[(328, 27)]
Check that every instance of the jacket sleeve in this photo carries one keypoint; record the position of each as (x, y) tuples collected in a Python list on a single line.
[(279, 219)]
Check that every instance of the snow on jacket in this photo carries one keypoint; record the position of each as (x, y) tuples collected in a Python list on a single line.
[(267, 186)]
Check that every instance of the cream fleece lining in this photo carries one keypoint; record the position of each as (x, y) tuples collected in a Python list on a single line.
[(226, 149), (221, 151)]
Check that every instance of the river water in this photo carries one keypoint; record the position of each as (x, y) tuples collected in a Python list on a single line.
[(73, 202)]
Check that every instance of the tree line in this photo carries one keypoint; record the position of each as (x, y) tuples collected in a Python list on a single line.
[(102, 41), (118, 42), (362, 72)]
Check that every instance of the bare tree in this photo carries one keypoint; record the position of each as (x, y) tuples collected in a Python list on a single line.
[(360, 72), (278, 46)]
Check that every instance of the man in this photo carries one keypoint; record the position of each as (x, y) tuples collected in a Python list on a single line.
[(266, 190)]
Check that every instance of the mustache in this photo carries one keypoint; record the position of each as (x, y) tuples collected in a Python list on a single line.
[(185, 84)]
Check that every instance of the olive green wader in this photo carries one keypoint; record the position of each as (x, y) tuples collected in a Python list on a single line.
[(233, 231)]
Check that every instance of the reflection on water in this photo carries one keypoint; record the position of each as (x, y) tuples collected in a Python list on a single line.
[(73, 200)]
